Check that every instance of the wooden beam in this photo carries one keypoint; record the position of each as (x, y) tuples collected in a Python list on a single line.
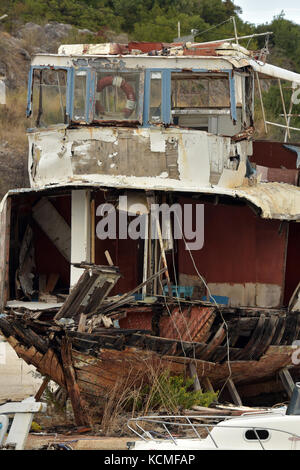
[(287, 381), (78, 405), (194, 375), (82, 323), (234, 393), (108, 258), (207, 384), (42, 388)]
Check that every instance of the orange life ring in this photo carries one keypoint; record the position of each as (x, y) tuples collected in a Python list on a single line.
[(120, 83)]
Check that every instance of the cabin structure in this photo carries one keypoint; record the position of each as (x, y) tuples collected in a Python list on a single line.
[(121, 130)]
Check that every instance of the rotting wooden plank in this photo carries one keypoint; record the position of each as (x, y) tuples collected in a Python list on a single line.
[(216, 341), (267, 337), (234, 393), (253, 339), (94, 380), (93, 285), (30, 337), (253, 389), (279, 331), (81, 417)]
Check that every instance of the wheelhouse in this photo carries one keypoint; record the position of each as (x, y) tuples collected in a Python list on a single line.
[(207, 96)]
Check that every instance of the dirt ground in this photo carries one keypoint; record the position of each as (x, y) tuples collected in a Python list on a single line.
[(77, 442)]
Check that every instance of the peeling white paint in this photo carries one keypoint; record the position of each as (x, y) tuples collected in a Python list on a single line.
[(112, 155), (203, 162), (240, 295), (157, 141), (193, 158)]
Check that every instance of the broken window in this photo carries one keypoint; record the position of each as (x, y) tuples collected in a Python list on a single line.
[(49, 97), (79, 109), (200, 91), (202, 101), (117, 95), (277, 108)]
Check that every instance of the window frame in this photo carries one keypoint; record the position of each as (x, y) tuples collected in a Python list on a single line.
[(139, 101), (166, 93), (29, 108)]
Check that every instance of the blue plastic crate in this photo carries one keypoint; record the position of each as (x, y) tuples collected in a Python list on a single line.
[(220, 299), (180, 291)]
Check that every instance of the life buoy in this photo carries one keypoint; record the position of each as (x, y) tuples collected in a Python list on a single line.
[(120, 83)]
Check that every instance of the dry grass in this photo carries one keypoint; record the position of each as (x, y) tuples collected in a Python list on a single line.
[(13, 121), (153, 393)]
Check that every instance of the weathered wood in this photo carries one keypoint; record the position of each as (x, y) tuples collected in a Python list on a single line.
[(234, 393), (194, 375), (78, 405), (30, 337), (121, 300), (42, 388), (92, 287), (287, 381), (216, 341), (82, 323), (207, 384), (108, 257)]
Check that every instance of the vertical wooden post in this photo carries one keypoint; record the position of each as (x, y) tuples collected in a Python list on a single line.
[(82, 323), (287, 381), (234, 393), (207, 384), (194, 375), (78, 404)]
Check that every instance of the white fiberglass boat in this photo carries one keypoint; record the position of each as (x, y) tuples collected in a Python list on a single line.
[(275, 429)]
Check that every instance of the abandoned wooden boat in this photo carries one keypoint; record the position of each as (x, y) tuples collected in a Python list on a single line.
[(222, 344), (143, 156)]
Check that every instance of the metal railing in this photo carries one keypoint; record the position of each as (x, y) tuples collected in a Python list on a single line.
[(166, 423)]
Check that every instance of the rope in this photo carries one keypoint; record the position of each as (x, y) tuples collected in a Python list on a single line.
[(214, 300), (212, 27)]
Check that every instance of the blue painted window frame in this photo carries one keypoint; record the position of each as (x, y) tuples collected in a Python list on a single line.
[(89, 82), (144, 101), (166, 93)]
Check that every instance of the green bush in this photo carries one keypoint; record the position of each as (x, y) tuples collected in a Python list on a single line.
[(171, 393)]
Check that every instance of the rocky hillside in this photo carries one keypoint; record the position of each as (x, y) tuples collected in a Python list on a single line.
[(15, 55)]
